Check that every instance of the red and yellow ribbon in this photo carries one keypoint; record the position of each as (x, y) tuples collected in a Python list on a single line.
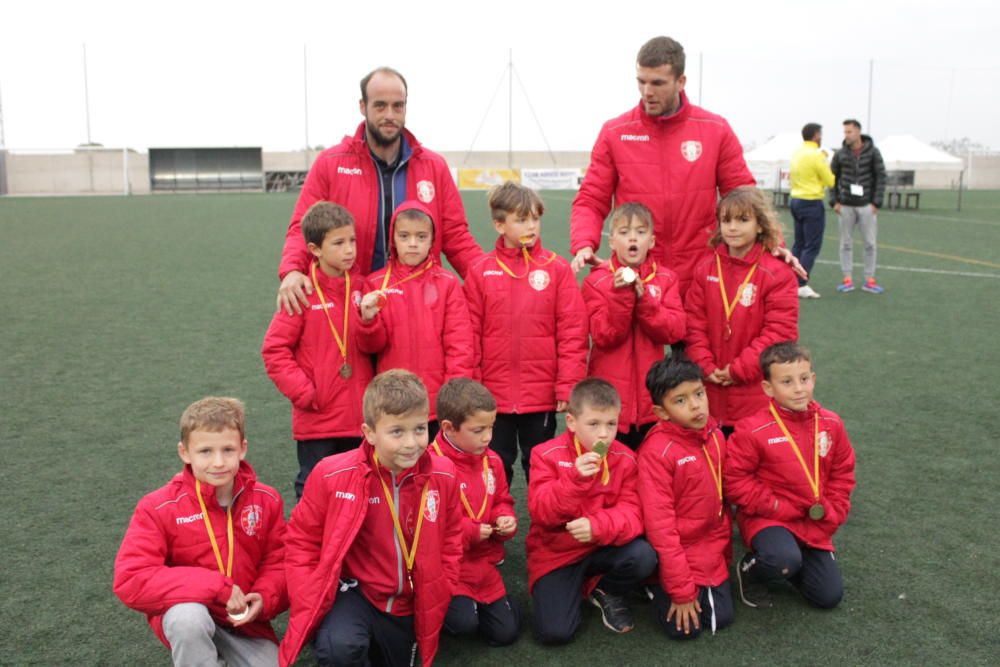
[(716, 476), (730, 307), (528, 261), (341, 342), (614, 269), (226, 571), (813, 478), (409, 553)]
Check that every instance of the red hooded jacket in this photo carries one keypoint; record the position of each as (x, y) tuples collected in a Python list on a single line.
[(629, 333), (675, 166), (558, 494), (346, 174), (425, 321), (766, 480), (686, 521), (326, 523), (303, 360), (479, 578), (166, 558), (765, 314), (529, 333)]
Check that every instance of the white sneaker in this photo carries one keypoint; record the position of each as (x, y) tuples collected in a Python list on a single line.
[(806, 292)]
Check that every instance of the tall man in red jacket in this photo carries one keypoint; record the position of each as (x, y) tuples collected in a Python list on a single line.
[(667, 154), (370, 174)]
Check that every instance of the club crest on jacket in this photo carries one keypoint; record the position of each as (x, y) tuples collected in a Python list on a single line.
[(824, 444), (691, 150), (433, 505), (250, 519), (425, 191), (539, 279), (747, 297)]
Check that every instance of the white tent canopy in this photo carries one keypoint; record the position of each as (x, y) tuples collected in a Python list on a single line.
[(904, 152)]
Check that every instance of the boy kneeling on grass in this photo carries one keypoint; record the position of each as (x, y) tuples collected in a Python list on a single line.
[(203, 556)]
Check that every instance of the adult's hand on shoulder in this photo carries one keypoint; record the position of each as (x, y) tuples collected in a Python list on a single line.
[(791, 260), (293, 291), (583, 257)]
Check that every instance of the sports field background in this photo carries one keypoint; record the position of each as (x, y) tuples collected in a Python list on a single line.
[(118, 312)]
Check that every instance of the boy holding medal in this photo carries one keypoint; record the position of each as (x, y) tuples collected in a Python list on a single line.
[(203, 556), (318, 359), (680, 484), (790, 471), (586, 521), (529, 326), (467, 412), (421, 310), (635, 309), (373, 548)]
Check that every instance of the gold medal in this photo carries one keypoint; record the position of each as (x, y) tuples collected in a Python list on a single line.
[(816, 512), (345, 371), (600, 447)]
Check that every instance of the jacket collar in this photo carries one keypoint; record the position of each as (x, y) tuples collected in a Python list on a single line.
[(794, 415), (410, 148), (722, 250), (244, 481), (679, 116), (687, 436), (536, 251), (420, 472)]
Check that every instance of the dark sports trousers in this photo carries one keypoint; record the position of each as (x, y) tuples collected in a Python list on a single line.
[(716, 605), (311, 452), (499, 622), (778, 555), (635, 435), (557, 596), (355, 633), (526, 430), (810, 222)]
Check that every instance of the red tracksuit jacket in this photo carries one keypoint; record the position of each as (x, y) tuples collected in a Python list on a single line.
[(558, 494), (686, 522), (674, 165), (767, 312), (166, 557), (339, 494), (424, 323), (480, 579), (529, 333), (765, 479), (303, 360), (346, 174), (629, 333)]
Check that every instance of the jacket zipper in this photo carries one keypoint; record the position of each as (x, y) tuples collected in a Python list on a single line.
[(399, 552)]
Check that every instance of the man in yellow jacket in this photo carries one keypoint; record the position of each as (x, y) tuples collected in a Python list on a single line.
[(810, 175)]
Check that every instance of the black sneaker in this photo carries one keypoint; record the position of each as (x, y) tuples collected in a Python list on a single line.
[(752, 594), (614, 612)]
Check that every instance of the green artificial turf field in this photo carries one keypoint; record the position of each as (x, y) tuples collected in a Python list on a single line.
[(121, 311)]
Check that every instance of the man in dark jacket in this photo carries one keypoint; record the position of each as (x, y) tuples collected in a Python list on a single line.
[(857, 197)]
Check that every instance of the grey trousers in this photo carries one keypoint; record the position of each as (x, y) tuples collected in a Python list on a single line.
[(864, 217), (195, 641)]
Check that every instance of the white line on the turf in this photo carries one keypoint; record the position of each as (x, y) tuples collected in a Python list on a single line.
[(910, 269), (942, 218)]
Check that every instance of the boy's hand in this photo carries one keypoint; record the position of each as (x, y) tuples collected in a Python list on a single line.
[(370, 305), (725, 377), (588, 464), (715, 377), (292, 292), (580, 529), (237, 602), (506, 525), (685, 615), (640, 288), (561, 406), (485, 530), (255, 604)]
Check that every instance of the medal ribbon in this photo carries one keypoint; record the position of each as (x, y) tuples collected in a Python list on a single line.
[(605, 472), (228, 570), (652, 273), (813, 479), (409, 555), (717, 478), (465, 501), (388, 272), (730, 307), (527, 263), (341, 342)]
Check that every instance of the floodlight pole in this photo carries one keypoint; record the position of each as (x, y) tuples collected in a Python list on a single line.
[(86, 92), (871, 74), (701, 69), (305, 103), (510, 108), (3, 141)]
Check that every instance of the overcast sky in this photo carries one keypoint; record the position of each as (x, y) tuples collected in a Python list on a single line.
[(214, 73)]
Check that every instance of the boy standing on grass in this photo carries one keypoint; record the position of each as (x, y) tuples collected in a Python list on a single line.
[(373, 548), (680, 484), (790, 471), (317, 358), (635, 309), (584, 542), (529, 326), (423, 317), (203, 556)]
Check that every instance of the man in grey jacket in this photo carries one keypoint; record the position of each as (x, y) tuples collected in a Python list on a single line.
[(857, 197)]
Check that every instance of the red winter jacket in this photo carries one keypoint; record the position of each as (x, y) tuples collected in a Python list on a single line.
[(767, 313), (303, 360), (686, 522), (629, 334), (325, 524), (425, 321), (765, 479), (557, 494), (166, 557), (674, 165), (529, 333), (346, 174), (480, 579)]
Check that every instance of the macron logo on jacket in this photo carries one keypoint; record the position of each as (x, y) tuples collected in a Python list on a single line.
[(356, 171), (634, 137), (344, 495), (189, 519)]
